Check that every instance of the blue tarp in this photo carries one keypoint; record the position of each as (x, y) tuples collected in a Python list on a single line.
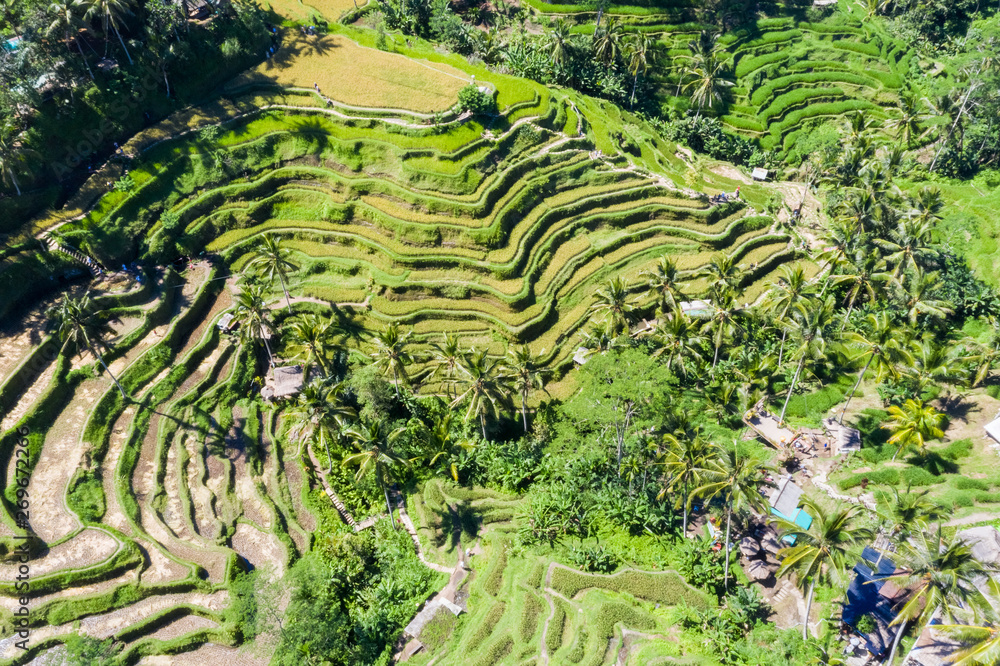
[(800, 518), (863, 598)]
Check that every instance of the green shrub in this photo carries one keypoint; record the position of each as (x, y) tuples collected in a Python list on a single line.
[(956, 450), (496, 652), (965, 483), (553, 637), (661, 587), (493, 578), (86, 498), (530, 613), (486, 625), (476, 101), (879, 477), (986, 497), (918, 476)]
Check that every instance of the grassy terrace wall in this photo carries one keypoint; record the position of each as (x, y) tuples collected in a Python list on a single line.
[(443, 229)]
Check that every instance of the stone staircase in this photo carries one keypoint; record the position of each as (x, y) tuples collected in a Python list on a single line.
[(52, 245)]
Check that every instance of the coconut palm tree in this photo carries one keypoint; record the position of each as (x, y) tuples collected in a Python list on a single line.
[(906, 513), (883, 346), (933, 363), (685, 462), (80, 325), (608, 42), (441, 443), (13, 156), (664, 285), (600, 337), (919, 297), (448, 356), (67, 21), (841, 240), (270, 260), (526, 374), (390, 354), (940, 575), (311, 340), (823, 552), (486, 386), (678, 340), (982, 357), (908, 245), (736, 478), (864, 276), (111, 13), (926, 206), (254, 318), (614, 301), (724, 322), (790, 289), (808, 337), (912, 113), (639, 55), (912, 425), (721, 273), (320, 415), (560, 41), (980, 645), (708, 81), (376, 455)]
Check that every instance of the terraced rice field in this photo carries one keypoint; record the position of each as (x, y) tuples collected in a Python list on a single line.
[(527, 609), (498, 230), (499, 233), (791, 76)]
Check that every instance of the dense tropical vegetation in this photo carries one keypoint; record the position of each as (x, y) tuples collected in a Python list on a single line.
[(529, 342)]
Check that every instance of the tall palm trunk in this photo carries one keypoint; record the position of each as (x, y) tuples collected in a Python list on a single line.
[(729, 522), (84, 58), (684, 508), (13, 179), (395, 380), (122, 42), (791, 389), (895, 643), (809, 601), (781, 349), (856, 385), (524, 410), (850, 309), (388, 505), (100, 360), (288, 300)]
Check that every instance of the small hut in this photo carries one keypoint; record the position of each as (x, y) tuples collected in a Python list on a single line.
[(697, 309), (285, 382), (993, 430), (226, 323)]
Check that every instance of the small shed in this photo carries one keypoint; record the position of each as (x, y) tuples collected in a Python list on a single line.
[(993, 430), (697, 309), (785, 497), (581, 355), (760, 174), (284, 382), (226, 323), (844, 439), (799, 517)]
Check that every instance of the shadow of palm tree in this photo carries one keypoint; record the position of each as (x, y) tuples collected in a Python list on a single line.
[(315, 130)]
